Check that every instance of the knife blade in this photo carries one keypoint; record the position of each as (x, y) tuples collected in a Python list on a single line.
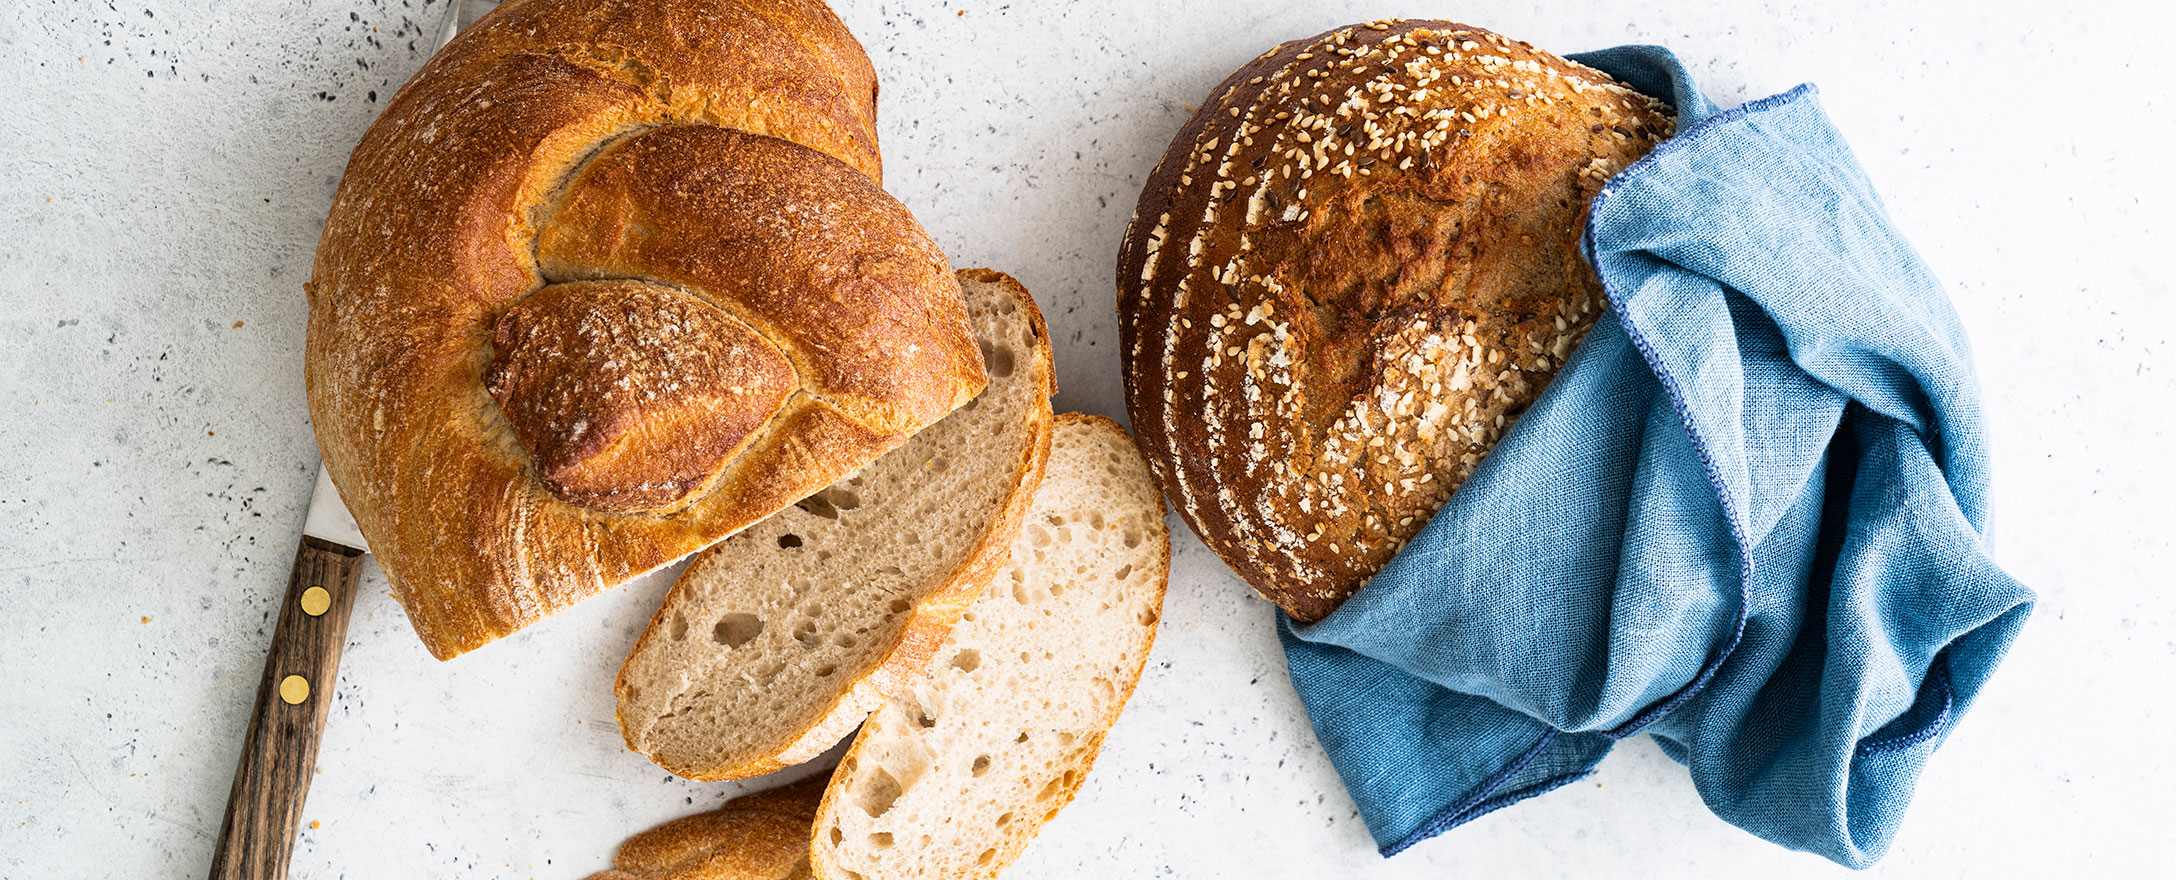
[(294, 694), (329, 519)]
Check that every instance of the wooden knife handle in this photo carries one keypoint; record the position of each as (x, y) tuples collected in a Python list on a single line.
[(280, 753)]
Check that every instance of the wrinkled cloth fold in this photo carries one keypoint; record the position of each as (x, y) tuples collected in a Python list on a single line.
[(1748, 518)]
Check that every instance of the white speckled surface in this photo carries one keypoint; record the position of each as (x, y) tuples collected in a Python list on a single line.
[(166, 163)]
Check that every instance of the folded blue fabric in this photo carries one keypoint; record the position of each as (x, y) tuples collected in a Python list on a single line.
[(1747, 518)]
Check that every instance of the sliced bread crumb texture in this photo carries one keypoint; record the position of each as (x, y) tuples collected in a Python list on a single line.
[(954, 779), (773, 645), (763, 836)]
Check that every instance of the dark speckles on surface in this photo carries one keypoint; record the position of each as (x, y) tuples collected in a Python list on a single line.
[(168, 164)]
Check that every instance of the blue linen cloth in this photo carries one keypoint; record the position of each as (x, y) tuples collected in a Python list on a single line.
[(1747, 518)]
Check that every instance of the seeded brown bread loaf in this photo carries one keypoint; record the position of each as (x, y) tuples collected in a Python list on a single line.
[(953, 778), (1354, 267), (762, 836), (775, 644), (608, 281)]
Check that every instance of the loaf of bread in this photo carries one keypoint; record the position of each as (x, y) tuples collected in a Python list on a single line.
[(607, 282), (1355, 266), (954, 779), (775, 644), (762, 836)]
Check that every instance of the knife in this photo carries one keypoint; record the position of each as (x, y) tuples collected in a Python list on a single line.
[(279, 753)]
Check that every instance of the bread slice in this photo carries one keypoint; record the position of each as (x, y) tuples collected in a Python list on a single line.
[(774, 644), (953, 779), (763, 836)]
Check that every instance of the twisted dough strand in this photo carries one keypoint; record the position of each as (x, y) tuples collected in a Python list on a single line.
[(606, 283)]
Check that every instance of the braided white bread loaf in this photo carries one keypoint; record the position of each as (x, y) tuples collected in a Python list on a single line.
[(607, 282)]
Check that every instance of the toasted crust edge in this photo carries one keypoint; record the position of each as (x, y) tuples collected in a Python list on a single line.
[(692, 846)]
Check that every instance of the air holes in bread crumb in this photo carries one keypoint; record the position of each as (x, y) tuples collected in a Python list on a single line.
[(997, 360), (788, 542), (967, 660), (1122, 573), (679, 627), (981, 766), (827, 503), (826, 670), (925, 719), (837, 835), (735, 630), (878, 794), (1133, 539), (1023, 737), (1004, 819), (805, 633), (899, 606), (988, 856), (881, 840)]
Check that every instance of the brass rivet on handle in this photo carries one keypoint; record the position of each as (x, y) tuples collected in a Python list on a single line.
[(315, 601), (294, 689)]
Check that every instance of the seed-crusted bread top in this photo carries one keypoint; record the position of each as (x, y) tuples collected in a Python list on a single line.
[(773, 645), (1356, 265), (953, 779)]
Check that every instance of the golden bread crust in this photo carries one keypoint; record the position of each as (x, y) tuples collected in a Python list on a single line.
[(762, 836), (615, 423), (533, 128)]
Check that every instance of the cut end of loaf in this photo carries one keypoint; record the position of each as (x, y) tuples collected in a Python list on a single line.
[(762, 836)]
